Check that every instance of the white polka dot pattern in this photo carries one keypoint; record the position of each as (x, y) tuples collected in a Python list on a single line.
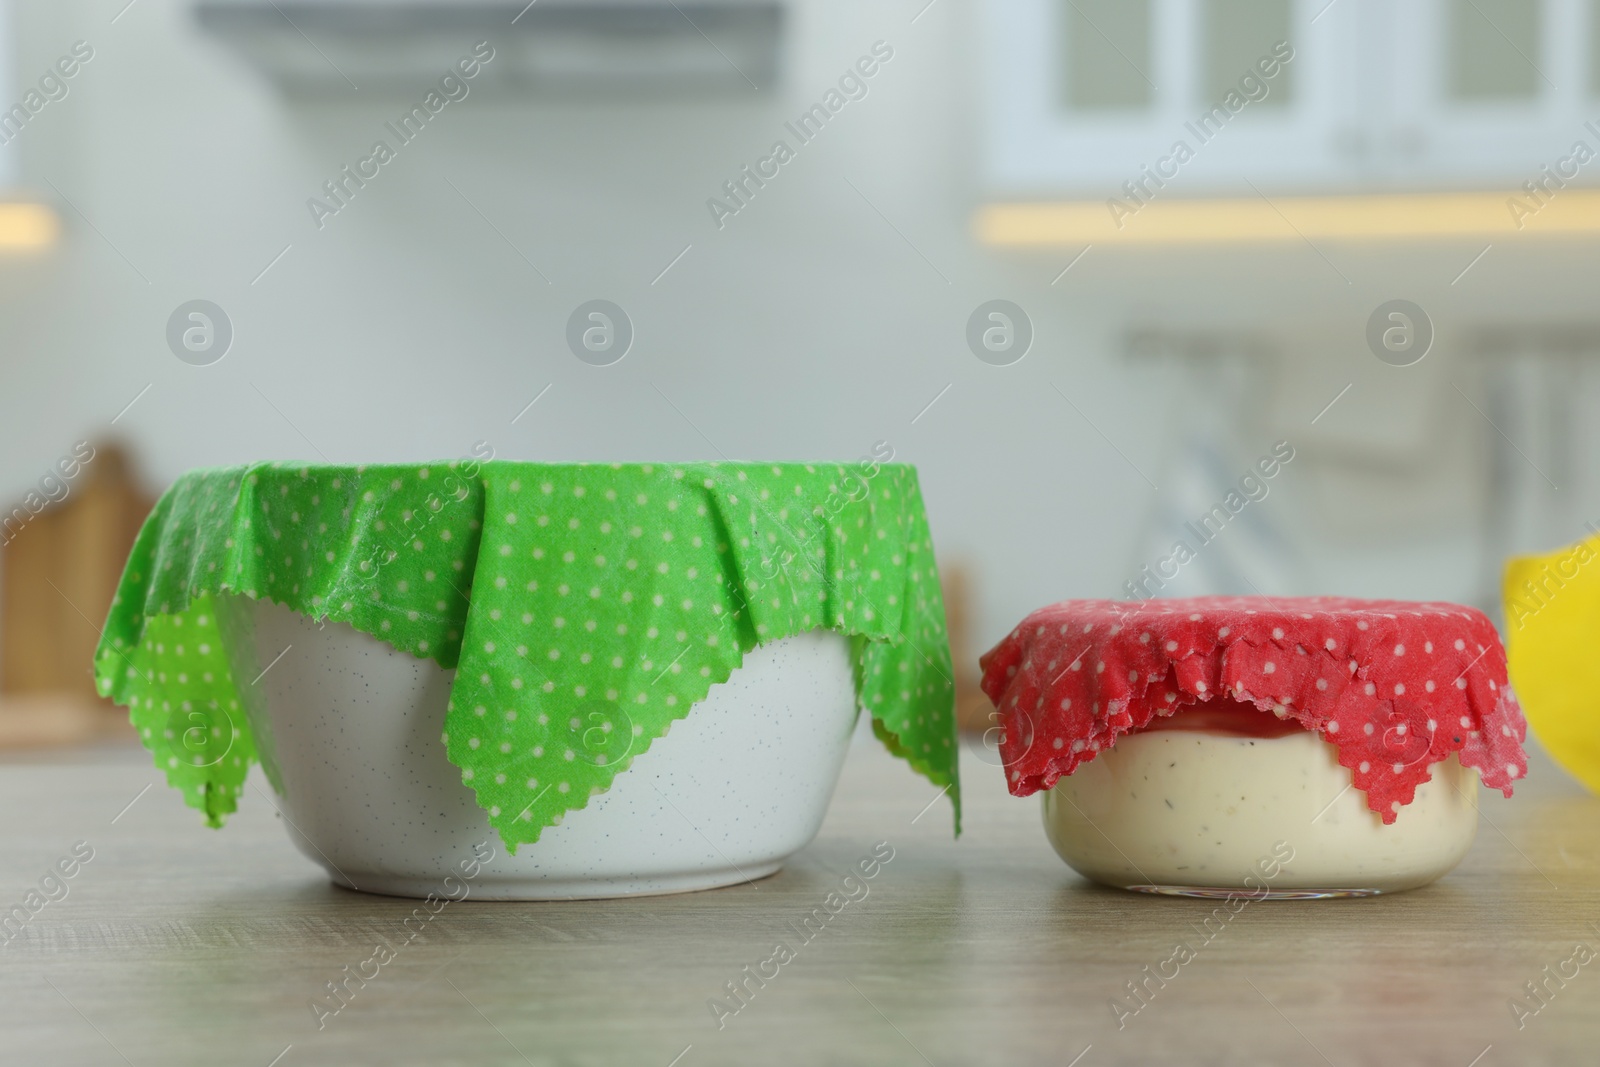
[(1347, 669), (585, 607)]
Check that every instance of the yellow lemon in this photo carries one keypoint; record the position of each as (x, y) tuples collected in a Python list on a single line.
[(1553, 645)]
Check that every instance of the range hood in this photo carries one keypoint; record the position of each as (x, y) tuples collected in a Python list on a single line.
[(635, 47)]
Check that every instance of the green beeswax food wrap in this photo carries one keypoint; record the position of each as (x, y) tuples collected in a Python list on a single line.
[(585, 607)]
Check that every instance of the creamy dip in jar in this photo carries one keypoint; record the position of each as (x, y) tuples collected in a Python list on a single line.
[(1279, 747)]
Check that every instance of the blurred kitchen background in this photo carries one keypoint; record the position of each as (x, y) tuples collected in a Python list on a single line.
[(1170, 315)]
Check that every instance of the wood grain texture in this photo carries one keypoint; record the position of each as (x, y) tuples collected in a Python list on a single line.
[(177, 945), (59, 569)]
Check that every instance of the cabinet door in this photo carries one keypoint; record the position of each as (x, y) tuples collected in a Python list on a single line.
[(1486, 91), (1087, 95)]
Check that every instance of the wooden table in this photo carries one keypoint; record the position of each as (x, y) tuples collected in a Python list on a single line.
[(177, 945)]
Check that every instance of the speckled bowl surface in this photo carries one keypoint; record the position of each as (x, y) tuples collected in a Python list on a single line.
[(735, 788)]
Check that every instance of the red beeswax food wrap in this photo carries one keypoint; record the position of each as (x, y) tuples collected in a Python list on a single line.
[(1395, 686)]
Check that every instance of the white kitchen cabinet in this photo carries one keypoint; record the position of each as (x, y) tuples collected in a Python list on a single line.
[(1086, 95), (1487, 91)]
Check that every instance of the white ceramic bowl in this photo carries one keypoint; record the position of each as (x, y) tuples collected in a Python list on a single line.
[(732, 791)]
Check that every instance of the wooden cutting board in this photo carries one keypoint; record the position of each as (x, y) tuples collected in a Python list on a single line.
[(58, 572)]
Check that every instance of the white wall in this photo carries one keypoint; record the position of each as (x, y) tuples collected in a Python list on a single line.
[(808, 327)]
